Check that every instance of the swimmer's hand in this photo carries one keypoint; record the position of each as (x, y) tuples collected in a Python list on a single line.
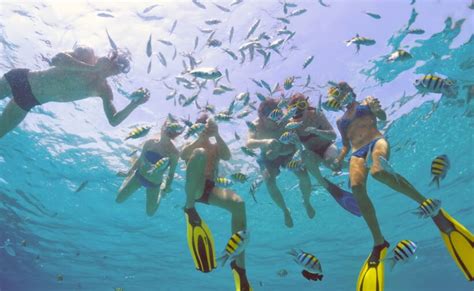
[(140, 96), (373, 103)]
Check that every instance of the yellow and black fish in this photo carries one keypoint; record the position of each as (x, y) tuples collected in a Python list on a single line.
[(239, 177), (138, 132), (439, 168), (428, 208), (403, 251), (295, 165), (236, 245), (223, 182), (332, 104), (310, 264), (435, 84)]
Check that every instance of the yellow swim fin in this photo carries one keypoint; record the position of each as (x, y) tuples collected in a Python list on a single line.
[(240, 278), (371, 276), (200, 242), (460, 244)]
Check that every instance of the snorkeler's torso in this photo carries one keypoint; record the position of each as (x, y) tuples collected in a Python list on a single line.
[(58, 85), (312, 118), (212, 164), (362, 129), (162, 148)]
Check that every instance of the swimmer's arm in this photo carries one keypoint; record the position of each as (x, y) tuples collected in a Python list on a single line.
[(254, 143), (114, 117), (326, 132), (374, 105), (222, 148), (67, 62), (346, 146), (189, 148)]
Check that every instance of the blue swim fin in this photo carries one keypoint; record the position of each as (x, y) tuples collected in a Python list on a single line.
[(344, 198)]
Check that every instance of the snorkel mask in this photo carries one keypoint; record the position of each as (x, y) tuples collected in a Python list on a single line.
[(336, 101), (121, 59), (300, 105)]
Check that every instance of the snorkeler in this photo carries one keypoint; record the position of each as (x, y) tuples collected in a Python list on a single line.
[(74, 76), (275, 154), (318, 136), (358, 128), (202, 158), (157, 155)]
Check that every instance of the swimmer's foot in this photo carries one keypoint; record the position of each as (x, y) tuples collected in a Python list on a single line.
[(288, 219), (309, 209)]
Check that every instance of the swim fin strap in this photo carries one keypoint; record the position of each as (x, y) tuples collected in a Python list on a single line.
[(460, 244), (200, 242)]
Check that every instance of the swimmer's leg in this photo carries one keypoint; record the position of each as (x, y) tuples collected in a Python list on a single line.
[(152, 200), (11, 116), (5, 90), (129, 186)]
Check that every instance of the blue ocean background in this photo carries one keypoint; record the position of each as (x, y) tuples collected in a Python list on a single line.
[(96, 244)]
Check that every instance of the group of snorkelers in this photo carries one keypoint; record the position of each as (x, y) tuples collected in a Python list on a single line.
[(304, 142)]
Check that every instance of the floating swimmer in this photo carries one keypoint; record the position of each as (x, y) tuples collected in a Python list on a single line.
[(310, 264), (439, 168), (138, 132), (235, 246), (403, 252)]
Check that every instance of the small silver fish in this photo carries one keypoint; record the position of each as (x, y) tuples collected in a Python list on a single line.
[(227, 75), (230, 53), (148, 47), (148, 70), (206, 73), (173, 26), (297, 12), (162, 59), (254, 187), (266, 86), (284, 20), (199, 4), (252, 28), (205, 30), (359, 40), (225, 9), (236, 2), (111, 41), (165, 42), (373, 15), (308, 61), (149, 8), (196, 42), (212, 21), (231, 34)]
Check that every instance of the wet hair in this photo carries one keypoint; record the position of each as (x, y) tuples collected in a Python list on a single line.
[(122, 58), (84, 53), (202, 118), (266, 107), (345, 88), (170, 133)]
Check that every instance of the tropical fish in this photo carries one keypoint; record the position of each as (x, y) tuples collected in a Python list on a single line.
[(162, 59), (173, 26), (223, 182), (323, 4), (428, 208), (199, 4), (148, 47), (231, 34), (289, 137), (276, 43), (236, 2), (260, 96), (8, 248), (206, 73), (297, 12), (174, 127), (435, 84), (373, 15), (225, 9), (251, 125), (239, 177), (252, 28), (293, 125), (288, 84), (359, 40), (248, 152), (311, 265), (81, 187), (254, 187), (275, 115), (289, 115), (212, 21), (138, 132), (399, 55), (403, 252), (149, 8), (295, 165), (195, 129), (235, 246), (416, 31), (162, 164), (439, 168), (111, 41), (205, 30), (230, 53)]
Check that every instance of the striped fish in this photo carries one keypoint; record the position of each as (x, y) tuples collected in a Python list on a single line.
[(289, 137), (399, 55), (275, 115), (195, 129), (428, 208), (222, 116), (310, 264), (295, 165), (174, 127), (235, 246), (293, 125), (251, 125), (162, 164), (288, 84), (254, 187), (239, 177), (435, 84), (331, 104), (223, 182), (403, 251), (138, 132), (248, 152), (439, 168)]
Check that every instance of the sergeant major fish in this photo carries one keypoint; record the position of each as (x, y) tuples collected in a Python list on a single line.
[(311, 265), (138, 132), (403, 251), (435, 84), (359, 40), (195, 129), (235, 246), (428, 208), (439, 168)]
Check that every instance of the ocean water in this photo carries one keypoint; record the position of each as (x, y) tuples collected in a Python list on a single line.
[(96, 244)]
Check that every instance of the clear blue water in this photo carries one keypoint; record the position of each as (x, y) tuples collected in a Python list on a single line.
[(97, 244)]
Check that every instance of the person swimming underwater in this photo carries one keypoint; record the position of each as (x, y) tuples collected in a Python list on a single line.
[(358, 128)]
